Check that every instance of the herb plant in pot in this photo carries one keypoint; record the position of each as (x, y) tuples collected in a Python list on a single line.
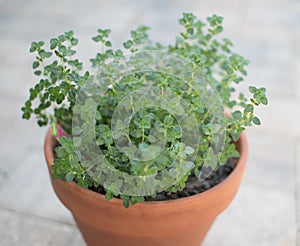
[(140, 148)]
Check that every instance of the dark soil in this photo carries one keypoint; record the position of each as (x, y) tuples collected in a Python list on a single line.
[(193, 185)]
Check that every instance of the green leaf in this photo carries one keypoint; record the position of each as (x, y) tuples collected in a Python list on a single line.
[(143, 146), (254, 101), (53, 43), (76, 130), (33, 47), (128, 44), (60, 98), (77, 141), (126, 203), (189, 150), (69, 52), (48, 54), (35, 64), (108, 44), (190, 30), (182, 21), (262, 90), (69, 34), (26, 116), (249, 108), (168, 120), (54, 129), (136, 199), (252, 89), (237, 115), (58, 54), (264, 100), (126, 200), (74, 41), (109, 196), (69, 177), (97, 38), (219, 29), (40, 43), (256, 120), (38, 72), (235, 136)]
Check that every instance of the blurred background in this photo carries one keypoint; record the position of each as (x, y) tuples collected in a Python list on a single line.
[(266, 209)]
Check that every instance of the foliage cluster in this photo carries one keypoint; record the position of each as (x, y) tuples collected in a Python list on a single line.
[(53, 98)]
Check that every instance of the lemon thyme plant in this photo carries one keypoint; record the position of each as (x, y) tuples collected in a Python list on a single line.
[(53, 100)]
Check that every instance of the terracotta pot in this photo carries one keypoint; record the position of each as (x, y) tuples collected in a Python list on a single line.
[(183, 222)]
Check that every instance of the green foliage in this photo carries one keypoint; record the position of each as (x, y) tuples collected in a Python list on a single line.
[(61, 77), (66, 165), (60, 80)]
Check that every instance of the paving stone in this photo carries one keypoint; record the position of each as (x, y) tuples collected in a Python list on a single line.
[(3, 177), (41, 18), (77, 239), (280, 117), (297, 169), (260, 30), (16, 76), (271, 161), (296, 62), (18, 137), (17, 229), (28, 190), (278, 81), (296, 84), (276, 72), (269, 11), (264, 210), (268, 27), (258, 216), (269, 67)]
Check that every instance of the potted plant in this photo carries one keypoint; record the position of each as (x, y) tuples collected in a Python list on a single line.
[(147, 147)]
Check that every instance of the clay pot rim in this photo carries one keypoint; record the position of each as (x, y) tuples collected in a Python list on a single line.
[(242, 146)]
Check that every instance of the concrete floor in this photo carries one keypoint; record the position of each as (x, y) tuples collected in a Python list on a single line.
[(266, 211)]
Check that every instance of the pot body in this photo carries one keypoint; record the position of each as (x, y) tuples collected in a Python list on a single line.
[(177, 222)]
